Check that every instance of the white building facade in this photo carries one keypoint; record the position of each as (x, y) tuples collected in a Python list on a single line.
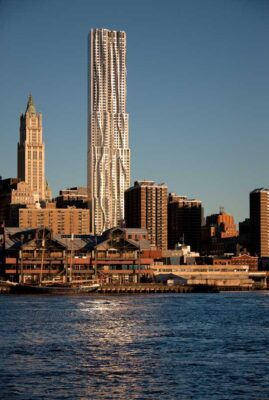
[(108, 129)]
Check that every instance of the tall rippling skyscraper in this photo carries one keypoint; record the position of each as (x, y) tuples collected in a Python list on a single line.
[(108, 129)]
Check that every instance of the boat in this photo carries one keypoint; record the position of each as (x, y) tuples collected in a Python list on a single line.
[(56, 289), (89, 288)]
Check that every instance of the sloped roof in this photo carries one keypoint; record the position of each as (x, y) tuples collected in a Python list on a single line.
[(12, 243), (117, 244), (74, 244), (15, 236), (141, 244), (30, 105)]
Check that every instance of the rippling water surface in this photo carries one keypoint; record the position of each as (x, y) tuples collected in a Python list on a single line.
[(192, 346)]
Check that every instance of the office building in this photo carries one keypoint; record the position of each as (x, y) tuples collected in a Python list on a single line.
[(14, 195), (31, 151), (184, 221), (259, 222), (108, 129), (223, 223), (146, 207), (220, 235)]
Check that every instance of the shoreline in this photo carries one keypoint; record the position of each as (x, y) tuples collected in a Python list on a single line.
[(124, 289)]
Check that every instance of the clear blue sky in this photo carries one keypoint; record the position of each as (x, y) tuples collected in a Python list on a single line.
[(198, 90)]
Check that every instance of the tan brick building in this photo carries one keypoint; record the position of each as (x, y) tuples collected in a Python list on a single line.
[(219, 235), (223, 223), (242, 259), (146, 207), (60, 221)]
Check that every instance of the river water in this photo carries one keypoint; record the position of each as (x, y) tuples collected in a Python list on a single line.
[(182, 346)]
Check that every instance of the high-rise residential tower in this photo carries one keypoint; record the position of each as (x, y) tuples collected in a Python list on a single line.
[(184, 221), (259, 222), (146, 207), (108, 129), (31, 151)]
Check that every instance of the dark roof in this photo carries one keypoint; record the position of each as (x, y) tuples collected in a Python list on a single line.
[(141, 244)]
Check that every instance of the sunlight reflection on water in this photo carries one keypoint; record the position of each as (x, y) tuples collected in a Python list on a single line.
[(135, 347)]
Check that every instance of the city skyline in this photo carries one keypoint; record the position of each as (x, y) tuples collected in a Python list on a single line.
[(200, 124)]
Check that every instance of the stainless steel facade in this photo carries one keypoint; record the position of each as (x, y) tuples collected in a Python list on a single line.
[(108, 129)]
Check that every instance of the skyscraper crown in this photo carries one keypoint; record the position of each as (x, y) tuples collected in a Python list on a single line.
[(30, 106)]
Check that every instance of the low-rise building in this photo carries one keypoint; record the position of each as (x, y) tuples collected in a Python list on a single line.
[(246, 259), (181, 255), (226, 276), (34, 255), (243, 259)]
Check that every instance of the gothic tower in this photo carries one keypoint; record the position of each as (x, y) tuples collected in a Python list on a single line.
[(31, 151)]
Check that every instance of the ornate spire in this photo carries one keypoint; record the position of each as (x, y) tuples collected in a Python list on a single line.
[(30, 105)]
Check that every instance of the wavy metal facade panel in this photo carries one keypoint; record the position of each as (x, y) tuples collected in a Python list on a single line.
[(108, 126)]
